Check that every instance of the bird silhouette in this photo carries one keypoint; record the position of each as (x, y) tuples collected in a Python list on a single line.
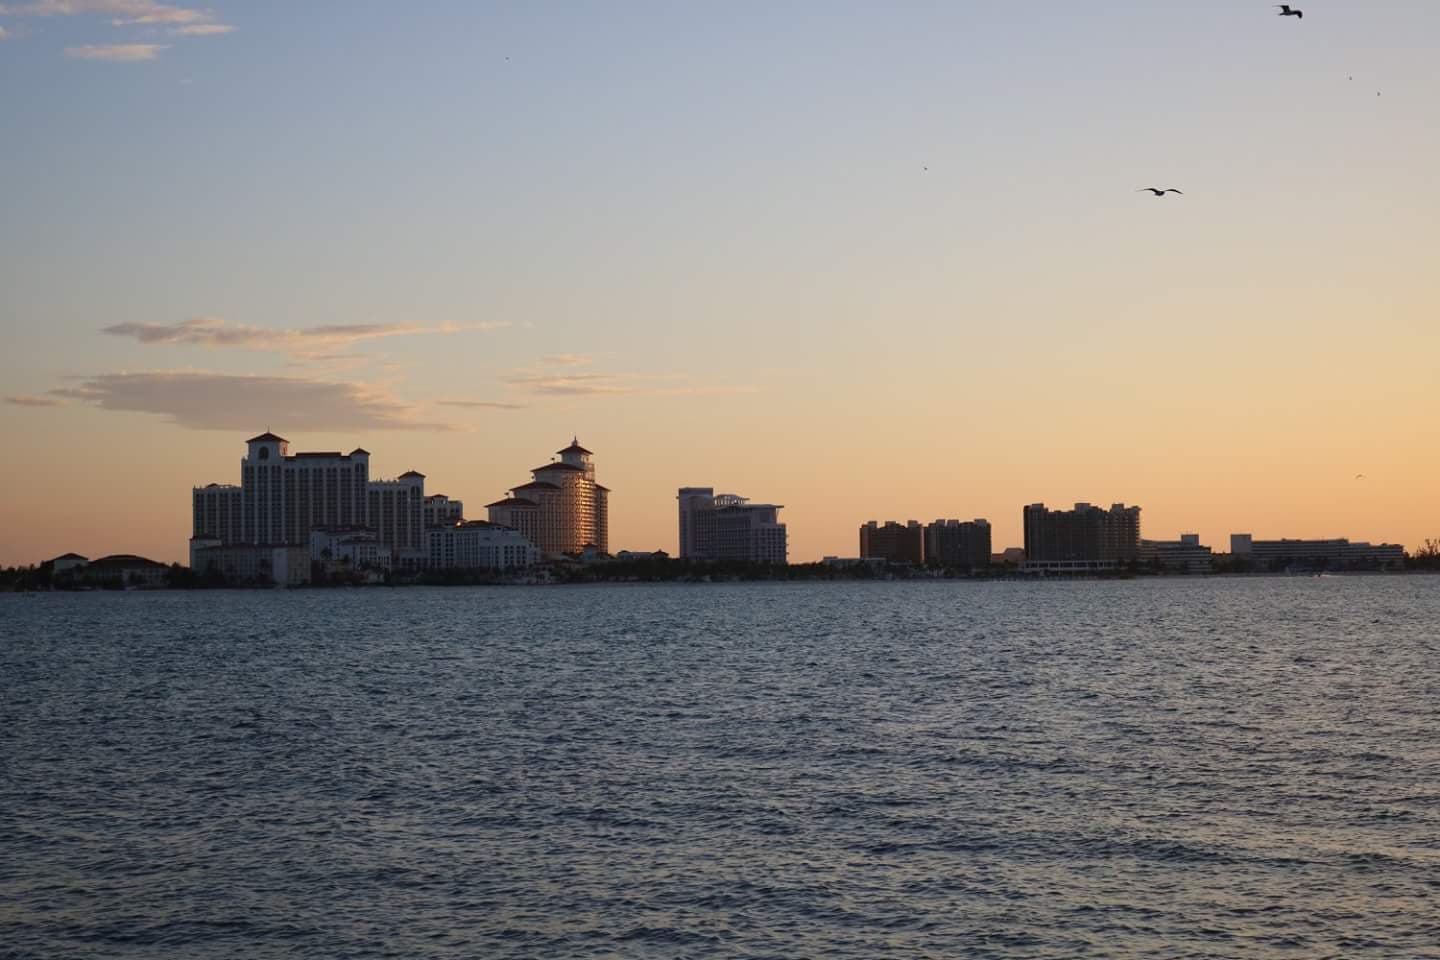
[(1359, 476), (1285, 11), (1158, 192)]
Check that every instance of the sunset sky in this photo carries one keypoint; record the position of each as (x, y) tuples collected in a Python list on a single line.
[(870, 261)]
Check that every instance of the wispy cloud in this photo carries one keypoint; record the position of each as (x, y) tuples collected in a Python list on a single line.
[(124, 12), (557, 376), (4, 34), (117, 52), (202, 30), (178, 21), (308, 342), (481, 404), (200, 400), (26, 401)]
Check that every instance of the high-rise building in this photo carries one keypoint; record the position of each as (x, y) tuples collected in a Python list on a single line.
[(1084, 539), (282, 497), (219, 513), (957, 545), (562, 510), (893, 542), (397, 513), (729, 527)]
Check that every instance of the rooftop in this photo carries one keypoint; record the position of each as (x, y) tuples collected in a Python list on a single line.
[(538, 483), (125, 560), (576, 448), (267, 437), (557, 466), (412, 473), (512, 502)]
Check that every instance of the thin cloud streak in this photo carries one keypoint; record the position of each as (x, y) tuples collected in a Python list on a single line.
[(304, 343), (481, 404), (28, 401), (200, 400), (117, 52), (557, 375), (202, 30)]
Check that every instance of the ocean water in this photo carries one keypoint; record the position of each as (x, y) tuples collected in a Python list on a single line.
[(1178, 768)]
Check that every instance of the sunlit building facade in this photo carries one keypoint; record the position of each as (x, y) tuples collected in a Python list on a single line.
[(562, 510)]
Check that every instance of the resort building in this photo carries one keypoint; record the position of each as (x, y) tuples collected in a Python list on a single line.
[(730, 527), (282, 497), (1084, 540), (958, 545), (893, 542), (562, 510)]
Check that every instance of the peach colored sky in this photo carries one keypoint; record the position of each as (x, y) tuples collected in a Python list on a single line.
[(868, 263)]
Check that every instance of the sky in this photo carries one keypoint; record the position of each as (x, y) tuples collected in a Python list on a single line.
[(869, 261)]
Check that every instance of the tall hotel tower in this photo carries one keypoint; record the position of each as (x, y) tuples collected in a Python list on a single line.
[(283, 496), (562, 509)]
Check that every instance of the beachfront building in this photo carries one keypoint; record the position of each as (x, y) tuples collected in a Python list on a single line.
[(893, 542), (478, 545), (730, 527), (562, 510), (958, 545), (1087, 539), (1339, 554)]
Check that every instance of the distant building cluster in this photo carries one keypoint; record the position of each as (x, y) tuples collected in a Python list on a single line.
[(953, 544), (294, 516), (730, 527)]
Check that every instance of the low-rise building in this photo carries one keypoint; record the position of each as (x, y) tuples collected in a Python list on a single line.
[(344, 549), (478, 545), (67, 562), (285, 565), (1185, 555), (126, 569), (1337, 554)]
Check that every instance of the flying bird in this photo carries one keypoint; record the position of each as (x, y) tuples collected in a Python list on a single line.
[(1158, 192), (1359, 476), (1285, 11)]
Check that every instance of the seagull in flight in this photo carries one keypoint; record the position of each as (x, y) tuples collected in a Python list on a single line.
[(1158, 192), (1285, 11)]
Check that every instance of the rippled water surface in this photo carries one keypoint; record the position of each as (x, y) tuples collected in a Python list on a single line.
[(1221, 768)]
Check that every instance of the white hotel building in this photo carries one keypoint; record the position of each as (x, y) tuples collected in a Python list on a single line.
[(282, 497)]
